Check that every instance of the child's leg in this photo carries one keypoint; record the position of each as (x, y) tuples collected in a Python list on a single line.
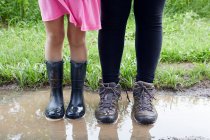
[(54, 64), (77, 43), (55, 36), (76, 37)]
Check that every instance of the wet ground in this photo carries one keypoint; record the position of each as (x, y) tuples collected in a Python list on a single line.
[(180, 117)]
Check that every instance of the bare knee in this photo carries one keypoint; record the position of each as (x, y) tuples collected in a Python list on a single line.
[(76, 37), (56, 38), (77, 43)]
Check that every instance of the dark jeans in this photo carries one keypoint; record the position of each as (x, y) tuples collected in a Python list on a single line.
[(148, 38)]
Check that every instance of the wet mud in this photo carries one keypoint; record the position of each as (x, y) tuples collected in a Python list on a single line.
[(180, 117)]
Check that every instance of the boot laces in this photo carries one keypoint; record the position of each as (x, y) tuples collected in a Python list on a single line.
[(108, 97), (144, 97)]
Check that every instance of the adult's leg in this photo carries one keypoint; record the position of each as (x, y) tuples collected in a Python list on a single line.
[(111, 37), (148, 17), (111, 42)]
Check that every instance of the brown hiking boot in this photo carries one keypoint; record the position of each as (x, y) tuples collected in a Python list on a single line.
[(144, 111), (107, 111)]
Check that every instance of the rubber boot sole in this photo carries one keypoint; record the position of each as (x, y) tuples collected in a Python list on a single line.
[(53, 120)]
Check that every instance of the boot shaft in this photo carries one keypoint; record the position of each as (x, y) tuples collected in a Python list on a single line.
[(55, 77), (55, 73), (78, 73)]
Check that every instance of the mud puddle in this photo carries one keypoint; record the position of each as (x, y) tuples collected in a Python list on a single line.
[(180, 117)]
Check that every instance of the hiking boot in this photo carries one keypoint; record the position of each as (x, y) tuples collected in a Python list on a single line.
[(144, 111), (55, 108), (107, 111), (76, 107)]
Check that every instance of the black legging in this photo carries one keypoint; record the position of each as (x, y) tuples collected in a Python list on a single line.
[(148, 39)]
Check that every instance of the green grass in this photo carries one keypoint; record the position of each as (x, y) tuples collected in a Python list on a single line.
[(14, 11), (186, 40), (202, 7)]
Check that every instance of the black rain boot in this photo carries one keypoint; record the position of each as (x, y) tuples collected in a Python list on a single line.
[(76, 107), (55, 108)]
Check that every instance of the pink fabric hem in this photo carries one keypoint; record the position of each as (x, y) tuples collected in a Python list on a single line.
[(53, 18), (91, 28), (82, 28), (84, 14)]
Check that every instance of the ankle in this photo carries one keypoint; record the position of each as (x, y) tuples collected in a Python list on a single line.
[(78, 61), (145, 83)]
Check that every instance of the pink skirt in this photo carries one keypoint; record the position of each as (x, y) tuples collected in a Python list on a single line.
[(82, 13)]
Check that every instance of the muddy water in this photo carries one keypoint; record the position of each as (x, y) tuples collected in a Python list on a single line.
[(21, 117)]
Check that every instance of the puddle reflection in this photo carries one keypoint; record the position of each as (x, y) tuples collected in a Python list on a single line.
[(21, 117), (76, 129)]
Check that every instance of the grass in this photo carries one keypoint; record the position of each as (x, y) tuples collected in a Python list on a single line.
[(14, 11), (186, 40), (201, 7)]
